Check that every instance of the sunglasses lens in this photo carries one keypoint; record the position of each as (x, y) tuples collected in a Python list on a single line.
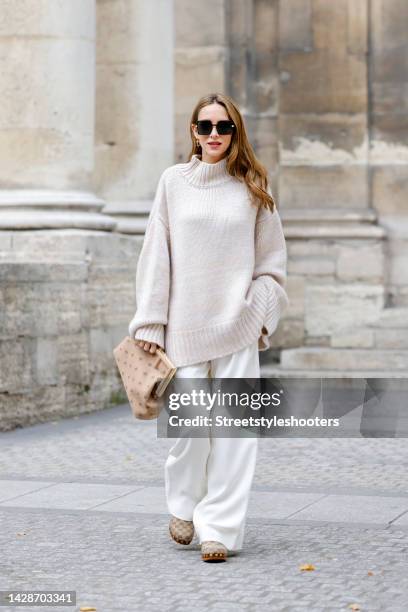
[(204, 127), (225, 127)]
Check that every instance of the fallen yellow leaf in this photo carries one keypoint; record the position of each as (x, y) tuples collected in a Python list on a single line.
[(370, 573), (307, 567), (87, 609), (354, 606)]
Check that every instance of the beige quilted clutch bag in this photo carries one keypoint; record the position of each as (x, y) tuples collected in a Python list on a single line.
[(144, 376)]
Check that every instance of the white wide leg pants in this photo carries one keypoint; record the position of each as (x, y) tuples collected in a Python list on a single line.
[(208, 480)]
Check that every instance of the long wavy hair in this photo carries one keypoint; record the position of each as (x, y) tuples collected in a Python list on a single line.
[(241, 159)]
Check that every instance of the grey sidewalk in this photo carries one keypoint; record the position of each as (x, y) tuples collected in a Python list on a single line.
[(82, 508)]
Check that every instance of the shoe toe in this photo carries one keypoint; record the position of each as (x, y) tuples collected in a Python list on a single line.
[(213, 551), (181, 531)]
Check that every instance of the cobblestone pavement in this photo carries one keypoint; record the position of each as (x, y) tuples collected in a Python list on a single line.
[(125, 561)]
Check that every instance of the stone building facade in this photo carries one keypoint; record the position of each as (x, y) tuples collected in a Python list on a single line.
[(96, 100)]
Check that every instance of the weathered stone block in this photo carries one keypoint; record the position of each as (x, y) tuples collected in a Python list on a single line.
[(389, 96), (266, 93), (73, 358), (389, 139), (341, 25), (344, 359), (295, 287), (398, 262), (330, 24), (360, 260), (265, 142), (197, 70), (391, 338), (319, 248), (332, 308), (44, 309), (17, 372), (59, 20), (101, 342), (38, 405), (290, 333), (118, 26), (323, 139), (265, 28), (323, 81), (352, 338), (295, 25), (310, 265), (46, 359), (357, 26), (388, 51), (393, 318), (390, 189), (334, 187), (198, 24)]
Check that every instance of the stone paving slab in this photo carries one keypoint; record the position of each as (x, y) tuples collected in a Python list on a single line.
[(266, 505), (280, 504), (355, 509), (147, 499), (127, 562), (69, 495), (14, 488), (402, 521)]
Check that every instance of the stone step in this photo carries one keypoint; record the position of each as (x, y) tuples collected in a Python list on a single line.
[(277, 371), (302, 224), (303, 231), (325, 215), (323, 358)]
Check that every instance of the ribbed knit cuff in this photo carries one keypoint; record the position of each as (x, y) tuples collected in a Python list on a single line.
[(154, 332), (277, 303)]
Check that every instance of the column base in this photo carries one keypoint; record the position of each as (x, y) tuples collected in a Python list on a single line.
[(22, 209)]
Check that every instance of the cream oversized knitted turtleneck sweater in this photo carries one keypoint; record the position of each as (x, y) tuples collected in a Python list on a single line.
[(212, 269)]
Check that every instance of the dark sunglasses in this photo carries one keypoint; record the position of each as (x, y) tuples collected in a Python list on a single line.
[(204, 127)]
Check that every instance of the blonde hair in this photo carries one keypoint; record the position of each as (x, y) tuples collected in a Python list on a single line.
[(241, 159)]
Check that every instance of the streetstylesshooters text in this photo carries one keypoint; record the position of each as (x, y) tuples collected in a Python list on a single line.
[(254, 401)]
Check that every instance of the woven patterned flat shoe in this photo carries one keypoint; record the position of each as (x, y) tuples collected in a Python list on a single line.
[(213, 551), (181, 531)]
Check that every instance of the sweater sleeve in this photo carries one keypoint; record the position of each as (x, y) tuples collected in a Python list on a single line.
[(270, 269), (153, 275)]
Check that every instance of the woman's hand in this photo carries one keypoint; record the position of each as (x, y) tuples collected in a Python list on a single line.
[(150, 347)]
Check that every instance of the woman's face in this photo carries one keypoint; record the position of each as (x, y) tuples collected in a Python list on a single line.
[(210, 153)]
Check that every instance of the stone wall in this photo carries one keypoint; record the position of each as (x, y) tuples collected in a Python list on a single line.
[(61, 316), (321, 88), (96, 102)]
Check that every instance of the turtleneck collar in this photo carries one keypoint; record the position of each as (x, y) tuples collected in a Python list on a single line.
[(203, 174)]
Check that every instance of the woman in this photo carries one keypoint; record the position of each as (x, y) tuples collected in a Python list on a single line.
[(210, 291)]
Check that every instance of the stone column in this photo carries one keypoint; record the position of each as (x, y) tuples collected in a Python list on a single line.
[(201, 55), (388, 68), (47, 84), (134, 106), (66, 289)]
